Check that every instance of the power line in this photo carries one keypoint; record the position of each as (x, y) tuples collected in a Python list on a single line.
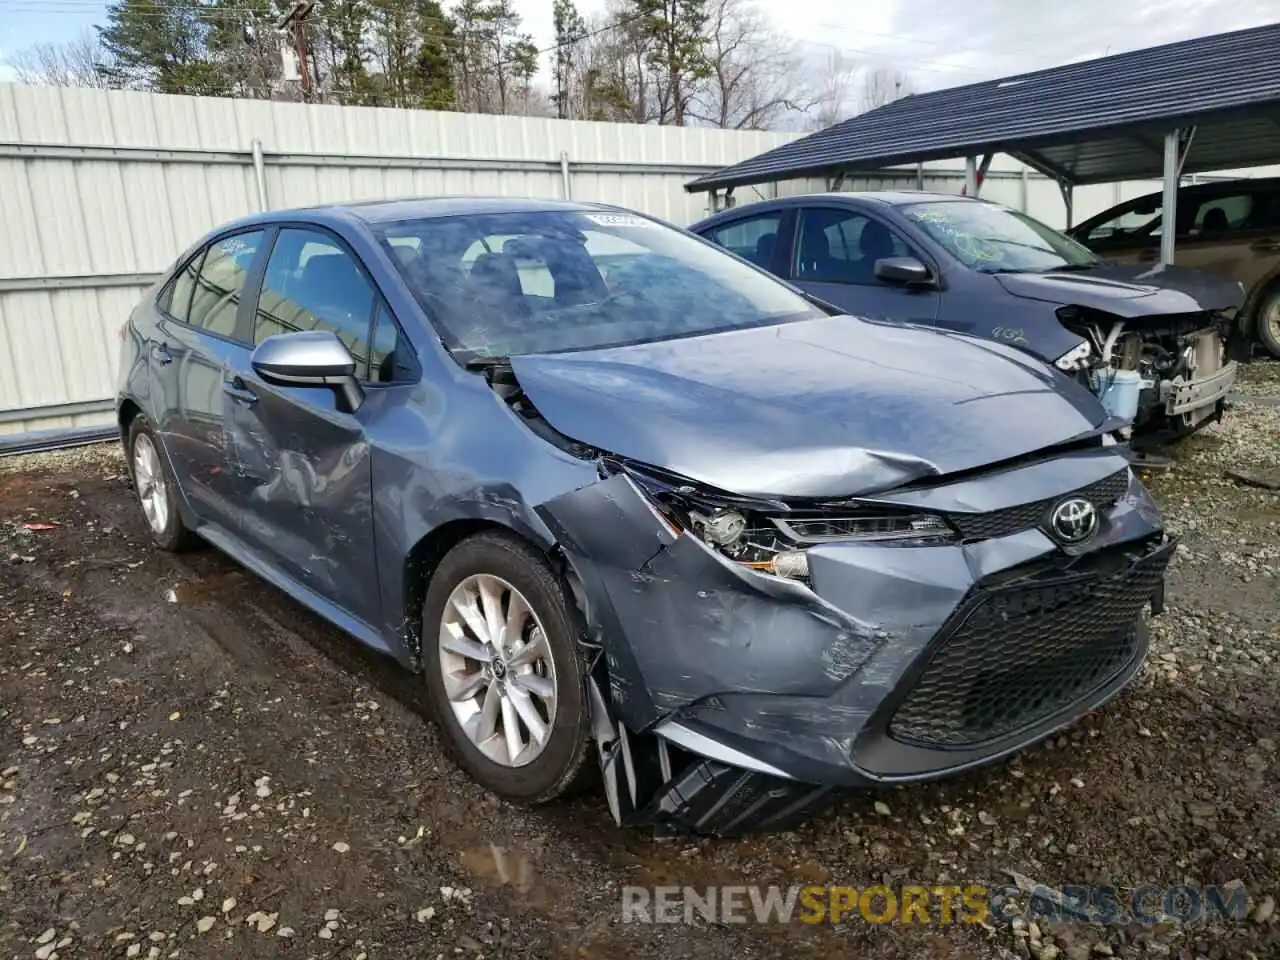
[(164, 8)]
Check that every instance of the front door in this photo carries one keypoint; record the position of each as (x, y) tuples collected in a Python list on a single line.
[(302, 464), (200, 336), (836, 251)]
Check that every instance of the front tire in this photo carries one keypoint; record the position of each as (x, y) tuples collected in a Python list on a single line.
[(504, 670), (156, 488)]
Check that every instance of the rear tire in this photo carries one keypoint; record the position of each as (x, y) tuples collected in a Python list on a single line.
[(1267, 320), (156, 488), (504, 668)]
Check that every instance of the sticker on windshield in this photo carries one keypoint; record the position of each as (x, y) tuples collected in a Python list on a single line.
[(618, 220)]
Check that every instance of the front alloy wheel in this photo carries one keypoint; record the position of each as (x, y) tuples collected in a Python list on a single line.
[(503, 662), (497, 670)]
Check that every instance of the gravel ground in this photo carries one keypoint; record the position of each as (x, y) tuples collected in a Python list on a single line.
[(191, 765)]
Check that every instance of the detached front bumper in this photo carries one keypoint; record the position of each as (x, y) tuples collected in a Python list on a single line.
[(739, 701), (1200, 396)]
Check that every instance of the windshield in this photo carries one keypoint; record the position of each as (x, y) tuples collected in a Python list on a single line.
[(995, 239), (542, 282)]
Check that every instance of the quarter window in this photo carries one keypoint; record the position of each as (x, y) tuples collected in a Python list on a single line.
[(216, 297), (176, 300), (313, 283)]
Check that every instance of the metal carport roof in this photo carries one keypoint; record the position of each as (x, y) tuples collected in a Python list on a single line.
[(1089, 122)]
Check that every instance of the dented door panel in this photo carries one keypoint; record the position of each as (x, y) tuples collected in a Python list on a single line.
[(302, 471)]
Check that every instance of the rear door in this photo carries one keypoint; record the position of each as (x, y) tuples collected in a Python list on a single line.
[(302, 464), (836, 250), (201, 334)]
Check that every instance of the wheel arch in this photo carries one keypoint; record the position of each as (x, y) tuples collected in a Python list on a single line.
[(423, 558)]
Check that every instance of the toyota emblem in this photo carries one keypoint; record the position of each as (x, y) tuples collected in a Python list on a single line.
[(1074, 520)]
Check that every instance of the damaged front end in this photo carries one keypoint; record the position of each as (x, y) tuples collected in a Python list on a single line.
[(759, 655), (1166, 375), (880, 570)]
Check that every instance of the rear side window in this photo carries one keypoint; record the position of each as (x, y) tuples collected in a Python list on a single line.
[(1222, 214), (216, 298), (313, 283), (753, 238)]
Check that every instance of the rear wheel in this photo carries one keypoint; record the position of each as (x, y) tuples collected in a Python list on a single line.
[(1268, 320), (504, 670), (156, 488)]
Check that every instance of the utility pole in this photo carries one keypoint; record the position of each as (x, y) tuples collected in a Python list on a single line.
[(296, 19)]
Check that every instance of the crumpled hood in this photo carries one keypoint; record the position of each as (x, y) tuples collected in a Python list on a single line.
[(830, 407), (1128, 289)]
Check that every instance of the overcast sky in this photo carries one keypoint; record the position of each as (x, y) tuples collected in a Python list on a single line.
[(938, 43)]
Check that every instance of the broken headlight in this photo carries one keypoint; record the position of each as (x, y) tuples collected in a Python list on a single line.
[(772, 537)]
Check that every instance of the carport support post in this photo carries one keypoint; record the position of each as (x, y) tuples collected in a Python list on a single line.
[(970, 176), (1169, 207)]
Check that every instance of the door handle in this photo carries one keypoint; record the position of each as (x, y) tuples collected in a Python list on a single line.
[(237, 391), (160, 353), (1266, 246)]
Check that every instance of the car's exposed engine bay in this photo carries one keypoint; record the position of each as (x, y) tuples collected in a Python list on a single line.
[(1167, 374)]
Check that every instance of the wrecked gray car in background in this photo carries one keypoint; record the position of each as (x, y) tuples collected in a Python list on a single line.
[(602, 483), (1158, 345)]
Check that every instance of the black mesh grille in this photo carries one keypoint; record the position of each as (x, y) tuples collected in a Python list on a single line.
[(1028, 649), (1001, 523)]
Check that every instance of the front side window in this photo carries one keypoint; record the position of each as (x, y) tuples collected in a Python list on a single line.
[(995, 239), (840, 246), (1139, 220), (313, 283), (223, 274), (752, 238), (537, 282)]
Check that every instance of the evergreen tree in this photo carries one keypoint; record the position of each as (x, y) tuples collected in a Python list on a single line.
[(159, 45), (677, 52), (436, 50), (348, 24)]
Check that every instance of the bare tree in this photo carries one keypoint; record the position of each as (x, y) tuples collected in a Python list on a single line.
[(613, 79), (884, 85), (833, 84), (73, 63), (753, 70)]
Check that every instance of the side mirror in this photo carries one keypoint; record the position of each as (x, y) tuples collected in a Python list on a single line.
[(904, 270), (310, 358)]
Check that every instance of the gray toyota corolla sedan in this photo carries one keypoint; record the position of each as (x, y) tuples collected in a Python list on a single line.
[(611, 489)]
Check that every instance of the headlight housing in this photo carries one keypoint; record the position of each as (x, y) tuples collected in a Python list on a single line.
[(772, 537)]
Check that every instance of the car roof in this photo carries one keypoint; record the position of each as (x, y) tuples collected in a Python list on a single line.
[(891, 198), (415, 208)]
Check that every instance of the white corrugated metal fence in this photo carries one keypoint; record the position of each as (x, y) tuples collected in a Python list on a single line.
[(100, 190)]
